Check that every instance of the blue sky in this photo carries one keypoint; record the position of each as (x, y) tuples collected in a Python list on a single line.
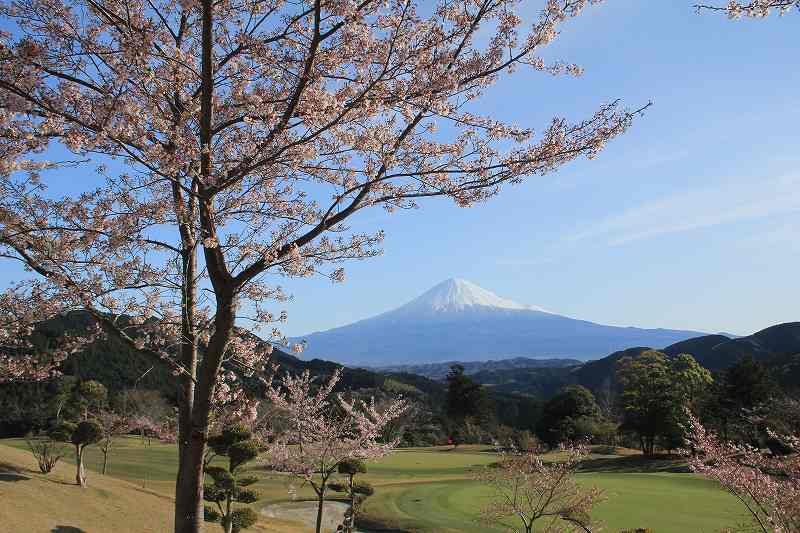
[(690, 220)]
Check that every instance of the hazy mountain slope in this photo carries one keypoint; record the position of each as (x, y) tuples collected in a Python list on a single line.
[(457, 320)]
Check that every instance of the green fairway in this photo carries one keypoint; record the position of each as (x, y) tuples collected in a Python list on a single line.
[(663, 502), (431, 490)]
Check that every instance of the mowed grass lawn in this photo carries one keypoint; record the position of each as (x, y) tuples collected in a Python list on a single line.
[(430, 489)]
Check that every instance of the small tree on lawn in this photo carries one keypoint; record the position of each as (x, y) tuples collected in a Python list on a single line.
[(767, 485), (537, 493), (356, 492), (229, 486), (81, 435), (322, 434), (46, 450), (112, 425)]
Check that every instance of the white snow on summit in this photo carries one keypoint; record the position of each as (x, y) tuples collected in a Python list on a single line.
[(458, 294), (459, 321)]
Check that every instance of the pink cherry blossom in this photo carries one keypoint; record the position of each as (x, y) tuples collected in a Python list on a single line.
[(767, 486), (325, 429), (214, 148), (754, 9)]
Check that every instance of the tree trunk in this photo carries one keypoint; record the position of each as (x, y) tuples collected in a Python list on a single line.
[(80, 474), (189, 481), (350, 523), (320, 504), (229, 522), (189, 486), (105, 462)]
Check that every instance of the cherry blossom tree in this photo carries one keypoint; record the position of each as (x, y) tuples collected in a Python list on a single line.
[(212, 148), (145, 426), (113, 426), (539, 495), (768, 486), (754, 9), (325, 431)]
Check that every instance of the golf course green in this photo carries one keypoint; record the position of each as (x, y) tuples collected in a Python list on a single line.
[(431, 489)]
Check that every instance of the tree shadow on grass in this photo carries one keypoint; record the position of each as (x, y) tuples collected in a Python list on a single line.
[(11, 473), (67, 529), (636, 464), (370, 525), (464, 450)]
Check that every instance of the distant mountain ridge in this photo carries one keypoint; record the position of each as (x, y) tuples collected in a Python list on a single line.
[(440, 370), (777, 346), (458, 320)]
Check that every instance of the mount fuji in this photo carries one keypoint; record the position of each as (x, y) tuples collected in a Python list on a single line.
[(458, 320)]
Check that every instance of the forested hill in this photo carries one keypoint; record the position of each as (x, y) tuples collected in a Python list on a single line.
[(118, 367), (516, 387), (777, 346), (717, 352)]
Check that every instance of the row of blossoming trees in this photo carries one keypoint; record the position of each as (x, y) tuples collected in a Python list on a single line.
[(321, 433)]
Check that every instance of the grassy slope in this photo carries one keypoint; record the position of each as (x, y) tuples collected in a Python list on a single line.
[(133, 504), (33, 502), (417, 490)]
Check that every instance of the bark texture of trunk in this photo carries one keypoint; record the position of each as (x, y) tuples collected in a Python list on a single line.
[(320, 505), (189, 481), (189, 486), (189, 490), (80, 474)]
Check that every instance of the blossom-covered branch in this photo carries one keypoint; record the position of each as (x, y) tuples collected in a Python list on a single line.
[(767, 485), (755, 9)]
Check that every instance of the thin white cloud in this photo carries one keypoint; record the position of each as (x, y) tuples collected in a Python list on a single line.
[(705, 207), (783, 235)]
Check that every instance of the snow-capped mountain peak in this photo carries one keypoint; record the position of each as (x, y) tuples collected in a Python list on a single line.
[(458, 295), (459, 321)]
